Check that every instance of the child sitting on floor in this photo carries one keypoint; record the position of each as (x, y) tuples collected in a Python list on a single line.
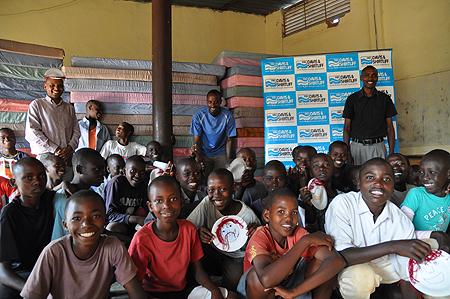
[(428, 207), (83, 264), (400, 165), (353, 177), (249, 189), (414, 177), (220, 203), (25, 226), (9, 155), (115, 165), (338, 151), (164, 249), (154, 153), (124, 147), (298, 177), (282, 259), (373, 236), (55, 168)]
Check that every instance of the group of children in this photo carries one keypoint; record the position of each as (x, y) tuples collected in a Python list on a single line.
[(360, 242)]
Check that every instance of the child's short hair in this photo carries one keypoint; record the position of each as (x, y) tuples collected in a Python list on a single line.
[(128, 127), (47, 156), (275, 164), (8, 129), (223, 172), (322, 155), (84, 193), (214, 92), (248, 149), (441, 154), (308, 148), (113, 157), (275, 194), (401, 155), (93, 102), (337, 143), (165, 178), (84, 156), (135, 159), (373, 161), (25, 161)]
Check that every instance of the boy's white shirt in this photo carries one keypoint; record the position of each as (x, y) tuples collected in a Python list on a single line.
[(349, 222)]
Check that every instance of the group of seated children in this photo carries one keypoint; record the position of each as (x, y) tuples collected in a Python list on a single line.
[(360, 242)]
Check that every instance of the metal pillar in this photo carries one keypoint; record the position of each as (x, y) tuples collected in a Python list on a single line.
[(162, 74)]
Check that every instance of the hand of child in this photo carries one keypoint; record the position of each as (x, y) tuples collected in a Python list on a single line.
[(320, 239), (282, 292), (216, 294), (64, 152), (251, 228), (205, 235), (305, 195), (137, 219), (68, 188), (443, 240), (246, 179), (193, 151), (169, 169), (415, 249)]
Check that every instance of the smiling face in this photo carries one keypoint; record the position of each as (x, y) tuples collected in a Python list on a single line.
[(220, 191), (30, 178), (55, 167), (7, 139), (249, 158), (400, 167), (369, 77), (213, 103), (434, 174), (339, 155), (55, 88), (85, 221), (302, 159), (274, 178), (135, 172), (122, 132), (376, 183), (165, 200), (188, 174), (322, 168), (154, 151), (282, 217), (94, 111)]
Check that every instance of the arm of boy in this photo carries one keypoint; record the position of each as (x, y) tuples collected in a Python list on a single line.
[(271, 273), (310, 213), (203, 279), (330, 265), (197, 149), (10, 278), (228, 147), (246, 179), (134, 289)]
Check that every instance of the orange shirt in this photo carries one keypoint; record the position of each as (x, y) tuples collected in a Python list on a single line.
[(92, 138)]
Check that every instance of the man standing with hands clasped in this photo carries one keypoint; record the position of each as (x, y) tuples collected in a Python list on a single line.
[(52, 125), (368, 119)]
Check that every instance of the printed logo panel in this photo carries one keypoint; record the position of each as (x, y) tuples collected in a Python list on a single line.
[(281, 152), (279, 83), (341, 80), (321, 147), (279, 100), (277, 135), (337, 97), (312, 98), (389, 90), (385, 77), (317, 116), (337, 132), (278, 66), (378, 59), (314, 134), (342, 62), (310, 64), (311, 82), (336, 115), (280, 117)]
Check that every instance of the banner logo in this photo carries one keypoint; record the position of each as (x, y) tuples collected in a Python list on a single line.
[(277, 100), (313, 98), (338, 97), (281, 135), (280, 152), (336, 115), (317, 116), (381, 59), (343, 80), (283, 117), (342, 62), (278, 66), (279, 83), (311, 82), (310, 64), (314, 134)]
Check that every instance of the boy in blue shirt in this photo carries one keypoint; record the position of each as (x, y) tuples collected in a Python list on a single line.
[(213, 128)]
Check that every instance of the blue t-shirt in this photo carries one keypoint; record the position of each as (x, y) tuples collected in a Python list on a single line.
[(213, 130), (431, 212)]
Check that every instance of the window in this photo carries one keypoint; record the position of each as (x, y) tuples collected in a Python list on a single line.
[(307, 13)]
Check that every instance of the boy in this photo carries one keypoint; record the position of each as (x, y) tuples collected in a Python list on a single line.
[(249, 189), (89, 170), (153, 153), (353, 176), (84, 264), (114, 166), (298, 177), (338, 151), (274, 177), (125, 198), (188, 174), (373, 236), (93, 133), (164, 249), (282, 259), (123, 146), (428, 207), (9, 155), (55, 168), (220, 203), (400, 165), (25, 226), (414, 177)]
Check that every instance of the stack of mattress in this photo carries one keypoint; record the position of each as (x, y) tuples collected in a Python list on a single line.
[(22, 68), (242, 87), (125, 88)]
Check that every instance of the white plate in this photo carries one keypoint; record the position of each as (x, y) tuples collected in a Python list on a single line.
[(319, 194), (237, 168), (230, 233), (432, 277)]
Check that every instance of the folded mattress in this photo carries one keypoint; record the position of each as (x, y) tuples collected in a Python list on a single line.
[(123, 108), (249, 142), (135, 98), (13, 117), (248, 112), (133, 86), (129, 64), (244, 102), (31, 49), (134, 75), (22, 72), (14, 105), (19, 129), (246, 55), (249, 122), (243, 91), (139, 119), (182, 152), (231, 61), (22, 84), (241, 80), (242, 69), (10, 58), (28, 95), (250, 132)]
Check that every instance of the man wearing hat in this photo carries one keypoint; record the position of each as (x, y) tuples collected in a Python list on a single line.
[(52, 125)]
